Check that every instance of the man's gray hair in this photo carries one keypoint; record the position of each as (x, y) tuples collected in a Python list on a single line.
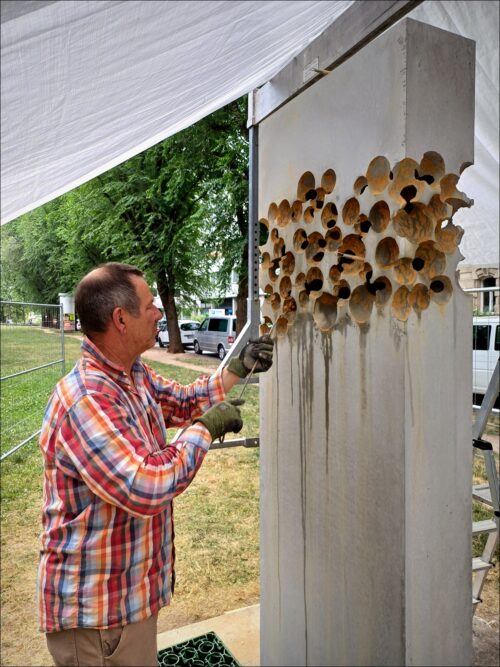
[(107, 287)]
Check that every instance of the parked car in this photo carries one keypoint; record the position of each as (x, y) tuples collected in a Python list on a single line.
[(485, 349), (161, 325), (187, 328), (216, 334)]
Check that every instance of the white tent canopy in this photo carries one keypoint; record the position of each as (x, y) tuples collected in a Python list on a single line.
[(88, 84)]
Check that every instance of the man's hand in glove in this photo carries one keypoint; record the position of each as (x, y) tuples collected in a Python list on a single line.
[(256, 352), (222, 418)]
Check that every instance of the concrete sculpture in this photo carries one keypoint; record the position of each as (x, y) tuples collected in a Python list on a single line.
[(365, 443)]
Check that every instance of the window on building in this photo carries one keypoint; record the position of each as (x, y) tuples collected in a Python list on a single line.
[(488, 298)]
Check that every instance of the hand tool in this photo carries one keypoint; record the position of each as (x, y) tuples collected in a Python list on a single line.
[(253, 367)]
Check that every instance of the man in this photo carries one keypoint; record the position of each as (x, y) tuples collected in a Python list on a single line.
[(107, 557)]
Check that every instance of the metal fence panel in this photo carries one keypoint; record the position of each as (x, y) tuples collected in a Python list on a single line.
[(32, 361)]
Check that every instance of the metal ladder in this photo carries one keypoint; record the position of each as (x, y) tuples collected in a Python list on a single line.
[(488, 493)]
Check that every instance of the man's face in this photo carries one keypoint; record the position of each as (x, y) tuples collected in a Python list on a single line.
[(141, 330)]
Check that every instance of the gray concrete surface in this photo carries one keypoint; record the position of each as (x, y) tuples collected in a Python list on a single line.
[(365, 457)]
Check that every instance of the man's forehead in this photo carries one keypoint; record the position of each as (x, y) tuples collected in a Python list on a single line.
[(142, 287)]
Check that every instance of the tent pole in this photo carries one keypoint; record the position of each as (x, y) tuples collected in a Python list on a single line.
[(253, 306)]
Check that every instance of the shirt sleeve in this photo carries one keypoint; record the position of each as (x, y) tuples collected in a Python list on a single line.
[(181, 404), (100, 439)]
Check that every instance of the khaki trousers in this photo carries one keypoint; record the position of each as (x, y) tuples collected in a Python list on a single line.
[(132, 645)]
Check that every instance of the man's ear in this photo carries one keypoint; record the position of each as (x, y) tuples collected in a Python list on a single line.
[(118, 319)]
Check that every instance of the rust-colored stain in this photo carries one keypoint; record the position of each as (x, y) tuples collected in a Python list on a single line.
[(334, 264)]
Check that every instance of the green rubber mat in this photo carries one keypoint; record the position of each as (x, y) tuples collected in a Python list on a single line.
[(198, 652)]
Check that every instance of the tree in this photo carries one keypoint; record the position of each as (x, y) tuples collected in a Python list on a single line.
[(184, 203), (172, 210)]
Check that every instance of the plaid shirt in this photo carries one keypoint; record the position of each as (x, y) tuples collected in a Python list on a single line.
[(107, 556)]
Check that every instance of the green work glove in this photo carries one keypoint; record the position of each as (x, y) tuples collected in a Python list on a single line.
[(222, 418), (260, 351)]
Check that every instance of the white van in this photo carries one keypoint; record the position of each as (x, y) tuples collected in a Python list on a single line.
[(216, 334), (485, 347)]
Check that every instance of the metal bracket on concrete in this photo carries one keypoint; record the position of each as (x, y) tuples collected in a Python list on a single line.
[(362, 22)]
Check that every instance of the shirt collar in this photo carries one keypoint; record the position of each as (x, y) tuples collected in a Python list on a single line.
[(90, 350)]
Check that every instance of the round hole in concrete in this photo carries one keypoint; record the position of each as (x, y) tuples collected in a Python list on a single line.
[(380, 216), (296, 211), (362, 226), (401, 307), (266, 261), (404, 176), (279, 249), (274, 271), (309, 215), (265, 325), (342, 289), (314, 249), (263, 231), (329, 215), (439, 210), (429, 260), (320, 198), (325, 312), (335, 274), (441, 289), (333, 238), (328, 181), (432, 168), (284, 216), (285, 287), (416, 226), (351, 245), (360, 185), (303, 298), (305, 185), (419, 298), (361, 304), (448, 237), (300, 280), (314, 281), (386, 252), (408, 193), (383, 290), (403, 271), (272, 212), (281, 326), (350, 212), (288, 263), (299, 239), (290, 308), (378, 174), (275, 301)]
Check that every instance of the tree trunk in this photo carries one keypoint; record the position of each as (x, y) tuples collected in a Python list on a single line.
[(166, 292), (241, 305)]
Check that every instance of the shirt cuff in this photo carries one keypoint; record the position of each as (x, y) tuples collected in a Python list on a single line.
[(197, 434), (216, 392)]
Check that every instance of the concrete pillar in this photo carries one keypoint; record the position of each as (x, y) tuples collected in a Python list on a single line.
[(366, 414)]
